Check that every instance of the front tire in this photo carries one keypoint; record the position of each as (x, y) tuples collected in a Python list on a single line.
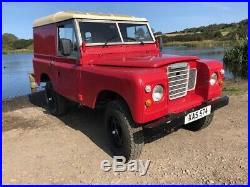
[(56, 104), (125, 139), (200, 124)]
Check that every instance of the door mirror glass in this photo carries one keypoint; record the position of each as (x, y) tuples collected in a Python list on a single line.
[(66, 46)]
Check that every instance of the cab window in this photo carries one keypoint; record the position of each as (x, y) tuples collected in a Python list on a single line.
[(93, 32), (135, 32)]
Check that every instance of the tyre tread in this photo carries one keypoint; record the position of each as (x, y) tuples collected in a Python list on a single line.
[(135, 132)]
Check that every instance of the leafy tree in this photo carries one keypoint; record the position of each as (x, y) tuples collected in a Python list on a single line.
[(8, 40), (11, 42), (233, 31), (21, 44)]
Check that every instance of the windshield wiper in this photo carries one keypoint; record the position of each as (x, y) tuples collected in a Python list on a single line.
[(109, 40), (141, 42)]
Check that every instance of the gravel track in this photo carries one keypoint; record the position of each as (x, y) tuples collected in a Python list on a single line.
[(41, 148)]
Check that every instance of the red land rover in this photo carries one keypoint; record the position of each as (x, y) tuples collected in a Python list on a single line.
[(114, 61)]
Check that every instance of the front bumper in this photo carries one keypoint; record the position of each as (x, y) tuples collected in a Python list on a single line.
[(178, 119)]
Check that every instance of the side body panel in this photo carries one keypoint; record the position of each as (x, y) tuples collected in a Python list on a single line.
[(68, 73), (64, 73), (44, 51)]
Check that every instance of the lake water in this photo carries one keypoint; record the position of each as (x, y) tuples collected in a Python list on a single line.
[(15, 68)]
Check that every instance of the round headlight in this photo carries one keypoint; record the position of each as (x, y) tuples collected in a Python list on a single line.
[(157, 93), (213, 79)]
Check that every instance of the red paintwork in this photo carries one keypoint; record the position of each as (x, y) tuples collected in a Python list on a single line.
[(123, 69)]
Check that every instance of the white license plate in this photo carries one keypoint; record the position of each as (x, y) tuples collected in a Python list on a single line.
[(198, 114)]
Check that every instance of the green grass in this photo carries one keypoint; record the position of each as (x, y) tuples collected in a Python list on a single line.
[(17, 51), (232, 91), (236, 58), (233, 87)]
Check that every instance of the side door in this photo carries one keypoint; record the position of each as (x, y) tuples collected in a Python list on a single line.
[(67, 64)]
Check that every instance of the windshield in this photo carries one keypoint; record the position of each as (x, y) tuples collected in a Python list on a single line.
[(135, 32), (93, 32), (97, 32)]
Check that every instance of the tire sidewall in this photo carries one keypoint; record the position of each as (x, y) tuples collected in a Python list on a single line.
[(49, 91), (124, 150)]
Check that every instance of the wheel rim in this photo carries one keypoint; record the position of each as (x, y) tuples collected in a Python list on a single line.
[(50, 99), (115, 131)]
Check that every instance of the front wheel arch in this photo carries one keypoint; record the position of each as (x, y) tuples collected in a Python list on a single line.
[(106, 96), (56, 104), (44, 78)]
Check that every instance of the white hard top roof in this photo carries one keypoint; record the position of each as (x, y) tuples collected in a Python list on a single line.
[(61, 16)]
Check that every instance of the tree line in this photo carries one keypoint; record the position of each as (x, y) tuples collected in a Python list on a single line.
[(218, 32), (11, 42)]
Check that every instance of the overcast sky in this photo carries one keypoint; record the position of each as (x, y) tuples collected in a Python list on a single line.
[(17, 18)]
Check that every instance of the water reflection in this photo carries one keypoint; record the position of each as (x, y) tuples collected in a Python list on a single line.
[(15, 69)]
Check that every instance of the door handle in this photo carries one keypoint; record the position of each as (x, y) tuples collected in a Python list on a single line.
[(51, 63)]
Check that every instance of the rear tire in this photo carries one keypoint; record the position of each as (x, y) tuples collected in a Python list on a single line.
[(200, 124), (125, 139), (56, 104)]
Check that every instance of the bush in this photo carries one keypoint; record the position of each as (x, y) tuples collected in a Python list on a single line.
[(236, 59), (21, 44), (11, 42)]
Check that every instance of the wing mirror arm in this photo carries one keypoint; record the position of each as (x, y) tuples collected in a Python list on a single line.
[(82, 51), (159, 43)]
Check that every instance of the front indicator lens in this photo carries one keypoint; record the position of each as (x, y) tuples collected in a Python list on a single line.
[(157, 93), (222, 71), (213, 79), (148, 102), (221, 83)]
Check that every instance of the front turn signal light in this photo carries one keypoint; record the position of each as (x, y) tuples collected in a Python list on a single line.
[(221, 83), (148, 102), (222, 71)]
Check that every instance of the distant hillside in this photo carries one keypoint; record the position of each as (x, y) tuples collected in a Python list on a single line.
[(214, 32), (10, 43)]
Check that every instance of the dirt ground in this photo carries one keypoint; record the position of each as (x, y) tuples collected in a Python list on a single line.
[(41, 148)]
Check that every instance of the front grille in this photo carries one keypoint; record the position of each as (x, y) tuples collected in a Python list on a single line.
[(178, 76)]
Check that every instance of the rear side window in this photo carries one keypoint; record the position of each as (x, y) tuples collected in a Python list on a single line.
[(67, 45)]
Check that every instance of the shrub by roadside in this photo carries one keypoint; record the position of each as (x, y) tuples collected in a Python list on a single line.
[(236, 58)]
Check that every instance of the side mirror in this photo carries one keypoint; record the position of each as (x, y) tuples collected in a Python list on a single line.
[(159, 42), (66, 46)]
